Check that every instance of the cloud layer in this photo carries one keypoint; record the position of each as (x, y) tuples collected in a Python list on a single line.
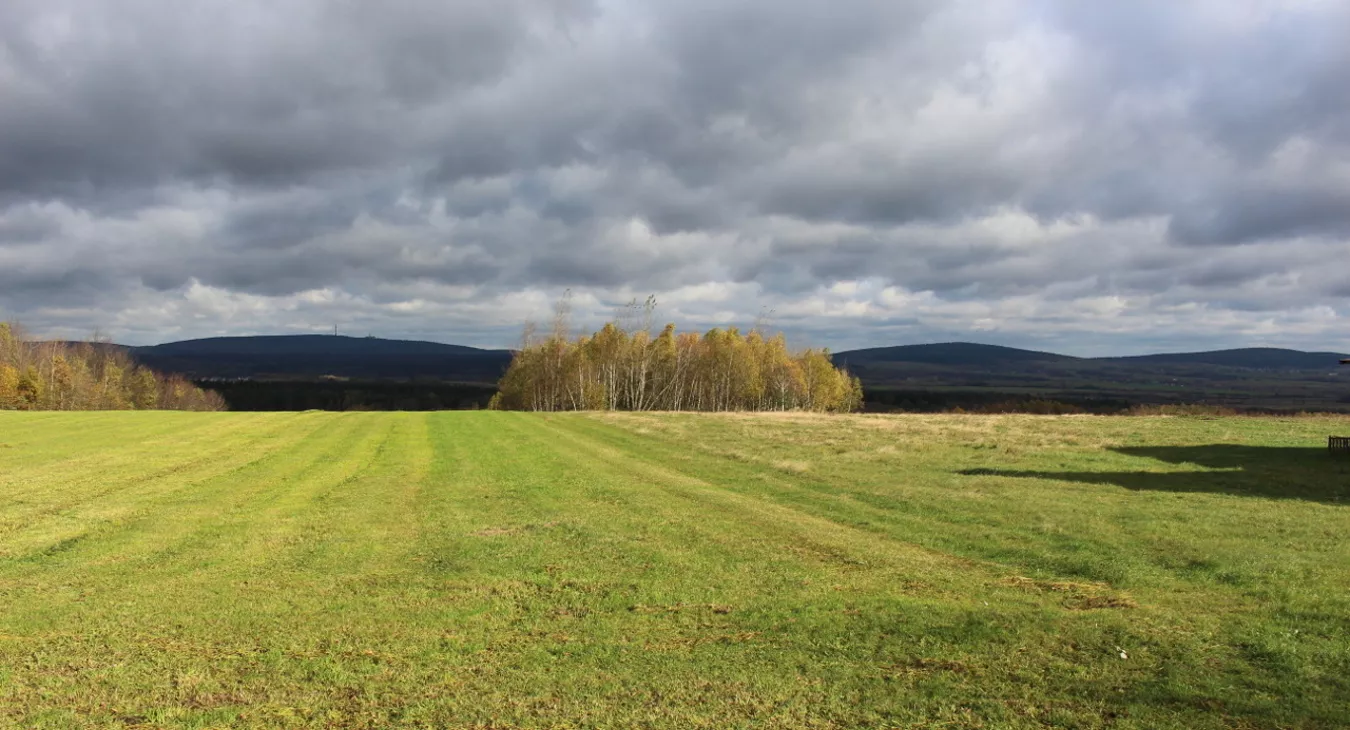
[(1086, 177)]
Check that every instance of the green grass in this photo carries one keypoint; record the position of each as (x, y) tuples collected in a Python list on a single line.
[(503, 570)]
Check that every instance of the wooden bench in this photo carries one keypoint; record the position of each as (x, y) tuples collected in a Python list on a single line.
[(1339, 444)]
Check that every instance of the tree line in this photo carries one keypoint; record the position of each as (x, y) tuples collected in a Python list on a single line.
[(624, 367), (71, 376)]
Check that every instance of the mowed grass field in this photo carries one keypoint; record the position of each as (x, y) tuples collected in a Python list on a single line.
[(501, 570)]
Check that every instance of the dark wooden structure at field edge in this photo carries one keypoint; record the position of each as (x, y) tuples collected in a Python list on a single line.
[(1339, 444)]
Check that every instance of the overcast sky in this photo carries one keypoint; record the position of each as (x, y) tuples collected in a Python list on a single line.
[(1086, 177)]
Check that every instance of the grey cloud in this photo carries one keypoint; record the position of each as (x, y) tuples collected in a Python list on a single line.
[(756, 57), (203, 154), (1243, 216), (255, 92), (71, 287), (27, 225)]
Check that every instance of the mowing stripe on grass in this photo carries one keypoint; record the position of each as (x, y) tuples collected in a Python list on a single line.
[(531, 570)]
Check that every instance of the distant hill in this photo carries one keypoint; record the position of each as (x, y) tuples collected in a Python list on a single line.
[(910, 377), (969, 354), (948, 353), (301, 356), (308, 356), (1262, 358), (928, 377), (306, 345)]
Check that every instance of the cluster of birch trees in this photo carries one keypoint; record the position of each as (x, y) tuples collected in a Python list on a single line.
[(66, 376), (626, 368)]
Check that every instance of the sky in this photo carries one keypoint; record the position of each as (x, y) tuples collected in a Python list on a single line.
[(1083, 177)]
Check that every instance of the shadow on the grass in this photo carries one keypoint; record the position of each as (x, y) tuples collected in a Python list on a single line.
[(1312, 474)]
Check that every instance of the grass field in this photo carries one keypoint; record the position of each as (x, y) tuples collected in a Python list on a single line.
[(502, 570)]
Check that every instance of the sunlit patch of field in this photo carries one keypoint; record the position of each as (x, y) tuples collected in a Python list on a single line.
[(671, 570)]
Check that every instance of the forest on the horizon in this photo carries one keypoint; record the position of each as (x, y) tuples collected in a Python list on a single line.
[(304, 372)]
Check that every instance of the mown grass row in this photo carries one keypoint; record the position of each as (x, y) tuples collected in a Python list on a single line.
[(514, 570)]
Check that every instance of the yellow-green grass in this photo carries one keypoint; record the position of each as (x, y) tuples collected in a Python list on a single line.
[(502, 570)]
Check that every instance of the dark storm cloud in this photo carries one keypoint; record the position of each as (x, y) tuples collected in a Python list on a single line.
[(895, 168), (1246, 215), (142, 92)]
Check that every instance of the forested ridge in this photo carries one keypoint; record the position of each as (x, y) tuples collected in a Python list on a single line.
[(73, 376), (623, 367)]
